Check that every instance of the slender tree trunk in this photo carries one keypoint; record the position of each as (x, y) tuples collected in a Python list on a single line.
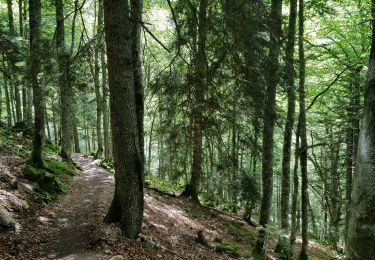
[(77, 148), (47, 123), (99, 100), (269, 117), (128, 203), (66, 90), (361, 232), (38, 100), (303, 154), (20, 17), (192, 189), (104, 85), (293, 229), (288, 132), (29, 113), (7, 101)]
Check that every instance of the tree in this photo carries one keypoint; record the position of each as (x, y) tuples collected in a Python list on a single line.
[(65, 81), (361, 231), (269, 117), (38, 97), (127, 204), (303, 134), (200, 86), (289, 124)]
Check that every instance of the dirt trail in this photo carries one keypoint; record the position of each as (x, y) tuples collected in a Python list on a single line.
[(78, 213), (72, 227)]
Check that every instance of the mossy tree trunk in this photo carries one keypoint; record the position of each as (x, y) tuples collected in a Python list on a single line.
[(128, 202)]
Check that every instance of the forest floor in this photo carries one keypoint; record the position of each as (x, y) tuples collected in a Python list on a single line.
[(73, 228)]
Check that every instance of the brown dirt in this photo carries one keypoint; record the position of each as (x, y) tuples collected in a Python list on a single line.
[(72, 228)]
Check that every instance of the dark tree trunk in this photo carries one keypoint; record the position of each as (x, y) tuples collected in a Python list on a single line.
[(7, 98), (269, 118), (192, 189), (77, 148), (293, 215), (38, 98), (136, 11), (303, 134), (288, 132), (105, 90), (98, 95), (127, 205), (361, 232), (66, 90)]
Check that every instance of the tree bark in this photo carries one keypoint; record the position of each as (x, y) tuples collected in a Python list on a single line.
[(303, 134), (289, 77), (66, 91), (269, 118), (38, 97), (136, 12), (192, 189), (128, 203), (98, 95), (361, 232)]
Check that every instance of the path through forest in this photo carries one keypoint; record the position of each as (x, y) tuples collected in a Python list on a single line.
[(73, 228), (70, 228)]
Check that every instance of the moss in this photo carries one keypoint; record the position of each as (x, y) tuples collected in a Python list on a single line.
[(6, 221), (232, 229), (31, 173), (60, 168), (303, 256), (229, 248), (49, 179), (191, 213), (49, 148)]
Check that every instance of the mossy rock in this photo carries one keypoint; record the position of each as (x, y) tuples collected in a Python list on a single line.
[(6, 221), (47, 179), (230, 249), (60, 168), (31, 173), (50, 183)]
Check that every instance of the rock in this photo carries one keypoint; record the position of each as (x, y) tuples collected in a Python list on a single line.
[(14, 184), (6, 219), (117, 257)]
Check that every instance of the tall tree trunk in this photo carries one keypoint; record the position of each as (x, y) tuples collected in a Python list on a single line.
[(38, 98), (7, 101), (303, 134), (104, 85), (47, 123), (269, 118), (128, 203), (77, 148), (20, 16), (99, 101), (136, 13), (192, 189), (288, 132), (29, 113), (66, 90), (361, 233), (293, 215)]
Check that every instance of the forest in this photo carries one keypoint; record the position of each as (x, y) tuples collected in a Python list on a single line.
[(187, 129)]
